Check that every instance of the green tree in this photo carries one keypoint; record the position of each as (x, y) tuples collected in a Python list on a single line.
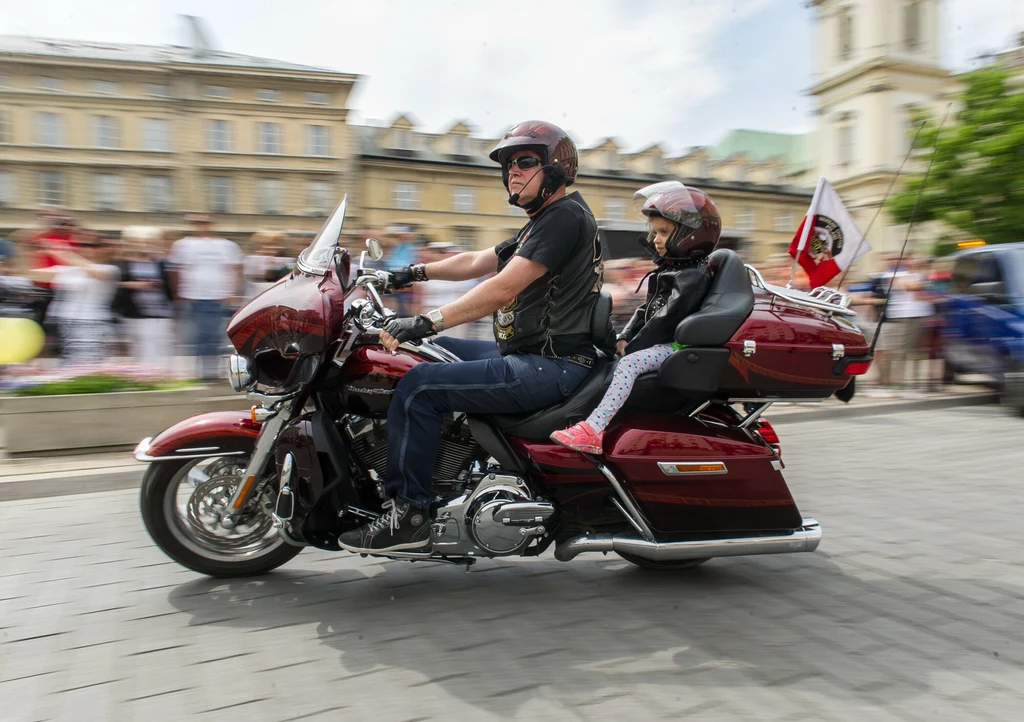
[(977, 180)]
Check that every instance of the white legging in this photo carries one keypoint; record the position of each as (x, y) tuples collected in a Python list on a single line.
[(626, 372)]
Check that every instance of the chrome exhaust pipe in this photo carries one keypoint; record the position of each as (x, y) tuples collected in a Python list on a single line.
[(804, 539)]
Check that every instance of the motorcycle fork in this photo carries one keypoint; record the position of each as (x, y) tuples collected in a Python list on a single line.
[(263, 453)]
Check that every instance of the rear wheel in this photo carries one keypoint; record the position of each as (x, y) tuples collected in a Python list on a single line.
[(182, 505), (668, 565)]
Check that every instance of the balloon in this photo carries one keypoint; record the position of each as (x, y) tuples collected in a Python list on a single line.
[(21, 339)]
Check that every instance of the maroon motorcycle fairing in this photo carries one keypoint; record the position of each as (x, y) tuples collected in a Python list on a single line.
[(369, 377)]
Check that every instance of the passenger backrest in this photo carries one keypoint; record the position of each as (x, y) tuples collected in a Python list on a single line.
[(727, 305), (601, 331)]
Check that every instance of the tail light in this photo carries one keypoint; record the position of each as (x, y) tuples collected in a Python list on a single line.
[(767, 433), (853, 365)]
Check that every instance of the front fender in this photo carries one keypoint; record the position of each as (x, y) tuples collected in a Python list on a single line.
[(225, 433)]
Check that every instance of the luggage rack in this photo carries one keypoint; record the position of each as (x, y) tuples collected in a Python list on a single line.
[(821, 298)]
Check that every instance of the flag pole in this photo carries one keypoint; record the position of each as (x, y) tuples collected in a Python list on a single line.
[(910, 227), (807, 228), (864, 236)]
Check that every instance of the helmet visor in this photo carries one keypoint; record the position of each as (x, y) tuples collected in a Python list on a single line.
[(670, 199)]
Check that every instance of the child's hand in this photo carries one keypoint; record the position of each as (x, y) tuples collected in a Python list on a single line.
[(620, 347)]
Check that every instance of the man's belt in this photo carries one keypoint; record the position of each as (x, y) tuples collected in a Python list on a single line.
[(580, 360)]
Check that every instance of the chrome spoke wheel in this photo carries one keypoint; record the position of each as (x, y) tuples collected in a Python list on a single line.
[(197, 500)]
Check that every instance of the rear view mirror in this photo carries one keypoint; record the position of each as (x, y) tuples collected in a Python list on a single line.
[(991, 291), (374, 250)]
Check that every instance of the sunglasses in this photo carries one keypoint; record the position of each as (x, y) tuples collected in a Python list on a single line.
[(525, 162)]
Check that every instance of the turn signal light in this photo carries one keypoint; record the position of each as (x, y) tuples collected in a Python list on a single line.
[(682, 468)]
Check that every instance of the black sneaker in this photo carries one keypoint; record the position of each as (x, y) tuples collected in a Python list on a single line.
[(401, 527)]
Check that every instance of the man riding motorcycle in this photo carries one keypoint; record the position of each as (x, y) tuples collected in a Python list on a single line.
[(542, 297)]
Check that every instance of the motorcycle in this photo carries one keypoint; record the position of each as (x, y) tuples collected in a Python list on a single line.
[(691, 469)]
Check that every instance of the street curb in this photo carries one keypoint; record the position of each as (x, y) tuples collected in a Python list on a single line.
[(794, 416), (47, 485)]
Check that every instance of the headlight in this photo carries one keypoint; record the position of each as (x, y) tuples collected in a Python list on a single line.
[(240, 373)]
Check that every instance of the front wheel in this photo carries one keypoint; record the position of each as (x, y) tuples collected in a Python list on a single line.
[(182, 504), (669, 565)]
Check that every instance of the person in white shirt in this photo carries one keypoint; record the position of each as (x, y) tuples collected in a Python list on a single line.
[(84, 284), (206, 273)]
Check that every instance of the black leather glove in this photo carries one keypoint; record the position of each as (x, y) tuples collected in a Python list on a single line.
[(410, 329), (401, 277)]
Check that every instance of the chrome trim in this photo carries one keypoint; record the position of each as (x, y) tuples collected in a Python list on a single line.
[(749, 348), (821, 298), (265, 398), (668, 468), (196, 448), (755, 414), (838, 351), (309, 269), (431, 351), (804, 539), (142, 448), (700, 408), (777, 465), (629, 517), (634, 516)]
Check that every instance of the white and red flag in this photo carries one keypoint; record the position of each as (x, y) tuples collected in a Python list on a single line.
[(827, 240)]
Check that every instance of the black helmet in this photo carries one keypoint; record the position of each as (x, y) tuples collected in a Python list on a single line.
[(698, 225)]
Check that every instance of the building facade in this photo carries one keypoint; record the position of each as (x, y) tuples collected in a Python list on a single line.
[(123, 135)]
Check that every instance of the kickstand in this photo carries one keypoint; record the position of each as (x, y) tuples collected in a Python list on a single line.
[(469, 565)]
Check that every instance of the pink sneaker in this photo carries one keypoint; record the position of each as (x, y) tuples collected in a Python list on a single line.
[(580, 437)]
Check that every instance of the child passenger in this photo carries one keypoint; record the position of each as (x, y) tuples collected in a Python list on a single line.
[(683, 229)]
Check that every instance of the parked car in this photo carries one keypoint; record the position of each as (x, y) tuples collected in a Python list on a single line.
[(983, 315)]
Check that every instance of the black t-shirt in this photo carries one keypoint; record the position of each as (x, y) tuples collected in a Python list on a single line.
[(552, 316)]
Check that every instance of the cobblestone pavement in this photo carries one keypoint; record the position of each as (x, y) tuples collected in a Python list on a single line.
[(912, 609)]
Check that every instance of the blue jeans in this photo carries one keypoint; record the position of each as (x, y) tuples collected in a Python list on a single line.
[(484, 382), (209, 319)]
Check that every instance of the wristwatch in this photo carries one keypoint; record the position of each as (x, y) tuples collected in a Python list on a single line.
[(437, 319)]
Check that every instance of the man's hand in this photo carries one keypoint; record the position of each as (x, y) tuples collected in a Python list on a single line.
[(401, 277), (620, 347), (399, 330)]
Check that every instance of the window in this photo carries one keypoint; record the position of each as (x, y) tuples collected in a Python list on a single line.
[(5, 82), (739, 172), (271, 96), (464, 237), (6, 128), (270, 191), (317, 98), (158, 193), (6, 188), (218, 135), (912, 25), (48, 84), (702, 168), (216, 91), (268, 137), (845, 33), (50, 129), (318, 140), (406, 196), (156, 134), (611, 160), (318, 196), (403, 139), (782, 221), (746, 219), (845, 142), (463, 200), (615, 209), (104, 87), (460, 145), (220, 194), (107, 189), (106, 131), (51, 188), (158, 90)]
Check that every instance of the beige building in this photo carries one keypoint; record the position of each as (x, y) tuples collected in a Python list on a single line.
[(123, 134)]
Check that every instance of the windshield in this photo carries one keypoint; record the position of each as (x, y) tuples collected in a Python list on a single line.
[(321, 250)]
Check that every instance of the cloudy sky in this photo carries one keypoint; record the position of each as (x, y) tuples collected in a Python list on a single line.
[(679, 72)]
